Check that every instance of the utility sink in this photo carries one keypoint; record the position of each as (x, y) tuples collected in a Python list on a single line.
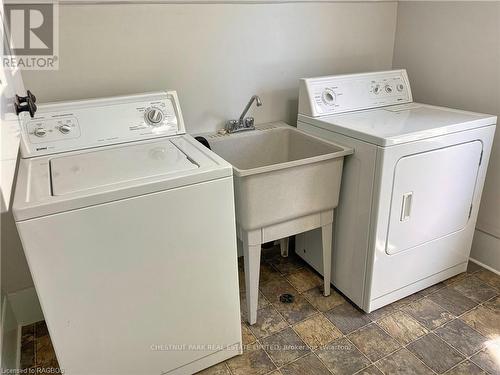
[(280, 173), (286, 182)]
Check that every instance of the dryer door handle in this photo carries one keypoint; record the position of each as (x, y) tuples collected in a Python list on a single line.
[(406, 206)]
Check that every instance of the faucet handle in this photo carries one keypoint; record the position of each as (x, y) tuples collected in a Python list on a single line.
[(231, 125), (249, 122)]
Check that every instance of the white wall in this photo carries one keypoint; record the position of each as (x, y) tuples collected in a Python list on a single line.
[(215, 55), (452, 53), (15, 272)]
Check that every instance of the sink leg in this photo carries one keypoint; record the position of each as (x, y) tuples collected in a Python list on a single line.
[(251, 257), (326, 236), (284, 246)]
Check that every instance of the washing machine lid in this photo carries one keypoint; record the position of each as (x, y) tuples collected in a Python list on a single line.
[(52, 184), (94, 169), (399, 124)]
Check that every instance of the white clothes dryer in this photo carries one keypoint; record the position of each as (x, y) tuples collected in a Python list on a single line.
[(410, 192)]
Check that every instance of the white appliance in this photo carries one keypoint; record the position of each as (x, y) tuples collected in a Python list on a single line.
[(128, 227), (410, 192)]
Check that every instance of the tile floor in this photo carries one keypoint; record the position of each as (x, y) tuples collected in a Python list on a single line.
[(36, 348), (452, 327)]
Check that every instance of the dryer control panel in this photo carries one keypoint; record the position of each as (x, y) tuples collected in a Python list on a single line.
[(351, 92), (76, 125)]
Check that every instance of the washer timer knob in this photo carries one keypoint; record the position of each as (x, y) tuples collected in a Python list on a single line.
[(154, 116), (40, 132)]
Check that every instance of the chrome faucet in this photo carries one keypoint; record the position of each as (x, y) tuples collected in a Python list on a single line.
[(243, 123)]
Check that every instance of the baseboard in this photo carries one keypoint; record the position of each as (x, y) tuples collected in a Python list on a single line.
[(25, 306), (486, 251), (484, 266), (11, 334), (3, 312)]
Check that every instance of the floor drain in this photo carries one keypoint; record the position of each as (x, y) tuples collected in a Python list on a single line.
[(286, 298)]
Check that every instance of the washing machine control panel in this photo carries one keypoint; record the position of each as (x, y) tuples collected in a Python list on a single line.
[(344, 93), (46, 130), (68, 126)]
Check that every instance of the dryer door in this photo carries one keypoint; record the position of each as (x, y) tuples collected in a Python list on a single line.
[(432, 195)]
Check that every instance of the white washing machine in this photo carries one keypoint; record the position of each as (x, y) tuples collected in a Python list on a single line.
[(128, 227), (410, 192)]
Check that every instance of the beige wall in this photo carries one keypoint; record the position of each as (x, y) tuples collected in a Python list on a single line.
[(215, 56), (452, 53)]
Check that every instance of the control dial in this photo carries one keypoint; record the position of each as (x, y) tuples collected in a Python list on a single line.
[(65, 129), (154, 116), (329, 97), (40, 132), (388, 89)]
